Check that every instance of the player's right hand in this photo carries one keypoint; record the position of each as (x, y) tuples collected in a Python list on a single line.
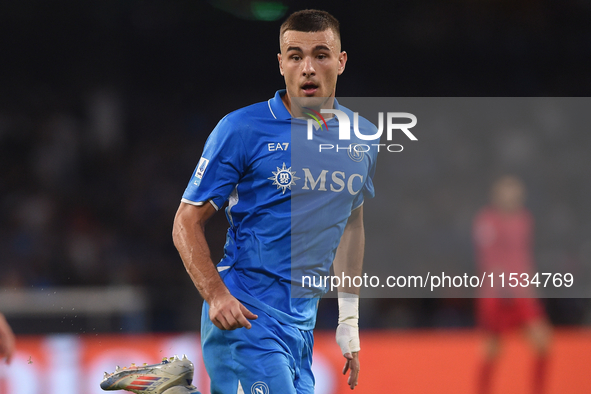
[(227, 313)]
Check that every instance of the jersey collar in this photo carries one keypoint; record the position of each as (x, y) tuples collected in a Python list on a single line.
[(278, 109)]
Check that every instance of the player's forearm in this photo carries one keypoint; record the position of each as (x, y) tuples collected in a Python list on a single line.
[(7, 340), (189, 239), (349, 261), (349, 256)]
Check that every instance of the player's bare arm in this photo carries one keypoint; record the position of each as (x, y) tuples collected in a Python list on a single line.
[(349, 256), (188, 233), (7, 341), (349, 261)]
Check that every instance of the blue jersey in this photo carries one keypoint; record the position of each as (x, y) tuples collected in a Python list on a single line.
[(288, 202)]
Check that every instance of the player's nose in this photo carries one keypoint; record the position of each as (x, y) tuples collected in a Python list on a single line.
[(308, 67)]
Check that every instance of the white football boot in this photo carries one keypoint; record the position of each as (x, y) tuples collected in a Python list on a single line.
[(171, 376)]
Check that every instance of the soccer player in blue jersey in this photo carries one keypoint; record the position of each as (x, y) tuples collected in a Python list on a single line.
[(287, 203)]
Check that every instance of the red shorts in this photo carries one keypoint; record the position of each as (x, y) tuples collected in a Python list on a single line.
[(503, 314)]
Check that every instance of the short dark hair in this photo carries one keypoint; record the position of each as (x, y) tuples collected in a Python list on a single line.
[(310, 21)]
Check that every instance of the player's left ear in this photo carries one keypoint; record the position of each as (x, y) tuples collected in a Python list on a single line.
[(342, 61), (280, 63)]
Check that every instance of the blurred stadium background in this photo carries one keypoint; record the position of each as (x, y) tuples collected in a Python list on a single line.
[(104, 110)]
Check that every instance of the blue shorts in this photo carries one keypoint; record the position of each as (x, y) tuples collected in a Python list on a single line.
[(269, 358)]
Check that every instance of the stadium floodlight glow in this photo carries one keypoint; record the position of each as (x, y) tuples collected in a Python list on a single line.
[(268, 10)]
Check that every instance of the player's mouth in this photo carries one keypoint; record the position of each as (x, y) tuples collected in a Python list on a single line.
[(309, 88)]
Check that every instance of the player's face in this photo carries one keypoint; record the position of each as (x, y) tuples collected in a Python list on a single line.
[(310, 63), (509, 194)]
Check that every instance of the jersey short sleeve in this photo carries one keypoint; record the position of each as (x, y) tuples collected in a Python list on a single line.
[(220, 167)]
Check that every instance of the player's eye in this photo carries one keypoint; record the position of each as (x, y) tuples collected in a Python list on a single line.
[(322, 56), (295, 57)]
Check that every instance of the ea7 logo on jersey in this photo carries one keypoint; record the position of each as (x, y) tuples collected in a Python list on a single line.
[(272, 146)]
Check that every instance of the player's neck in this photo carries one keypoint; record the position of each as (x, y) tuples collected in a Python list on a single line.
[(296, 107), (508, 211)]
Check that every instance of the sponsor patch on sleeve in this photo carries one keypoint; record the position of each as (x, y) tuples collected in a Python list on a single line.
[(203, 162)]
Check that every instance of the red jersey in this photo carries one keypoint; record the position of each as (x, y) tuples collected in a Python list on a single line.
[(504, 241), (504, 244)]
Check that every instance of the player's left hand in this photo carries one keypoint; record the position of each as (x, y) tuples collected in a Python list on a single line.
[(348, 340), (353, 365)]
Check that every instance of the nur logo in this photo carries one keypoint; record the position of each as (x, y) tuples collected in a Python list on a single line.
[(356, 150), (345, 124), (318, 115)]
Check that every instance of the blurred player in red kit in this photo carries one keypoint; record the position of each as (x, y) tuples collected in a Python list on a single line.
[(503, 234)]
